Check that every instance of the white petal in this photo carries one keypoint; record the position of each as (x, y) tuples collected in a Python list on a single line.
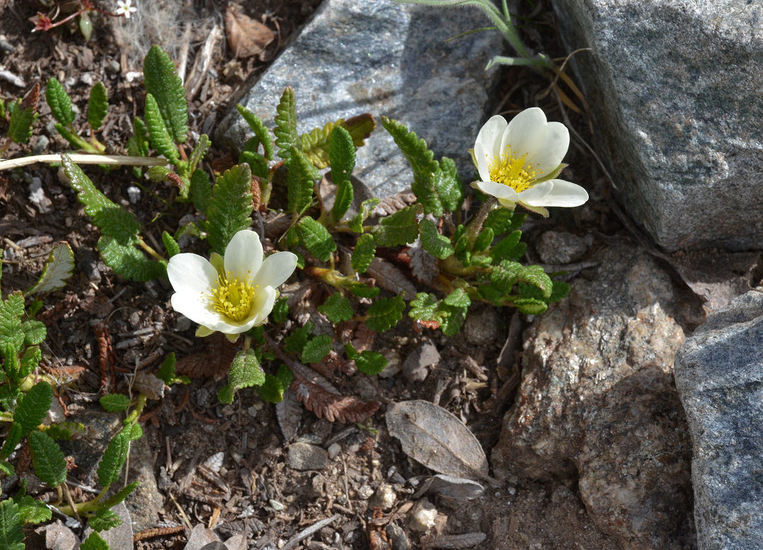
[(551, 153), (276, 269), (190, 273), (497, 190), (196, 307), (243, 255), (490, 135), (483, 159), (525, 133), (263, 304), (563, 193), (536, 194)]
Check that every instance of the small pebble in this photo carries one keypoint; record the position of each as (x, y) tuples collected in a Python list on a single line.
[(334, 450), (275, 505), (133, 194), (365, 492), (40, 144), (86, 79), (423, 515), (482, 326), (416, 366), (38, 197), (384, 497), (397, 537), (304, 456)]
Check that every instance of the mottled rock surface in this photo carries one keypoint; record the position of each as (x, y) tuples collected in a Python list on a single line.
[(597, 402), (389, 59), (719, 374), (674, 88)]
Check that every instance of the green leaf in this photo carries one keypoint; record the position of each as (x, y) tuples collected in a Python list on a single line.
[(448, 185), (256, 162), (127, 261), (368, 362), (499, 220), (11, 440), (437, 245), (530, 306), (113, 458), (97, 106), (57, 270), (316, 238), (316, 349), (366, 207), (230, 209), (103, 520), (363, 253), (7, 468), (245, 371), (275, 385), (337, 308), (33, 407), (34, 332), (59, 102), (133, 431), (32, 511), (158, 133), (29, 361), (385, 313), (454, 307), (66, 431), (424, 307), (316, 143), (260, 131), (198, 153), (509, 248), (94, 540), (114, 402), (300, 181), (426, 170), (280, 310), (170, 244), (11, 533), (200, 191), (162, 83), (167, 371), (47, 459), (120, 495), (73, 139), (342, 158), (286, 124), (295, 342), (20, 125), (364, 291), (11, 331), (138, 143), (398, 229), (483, 240)]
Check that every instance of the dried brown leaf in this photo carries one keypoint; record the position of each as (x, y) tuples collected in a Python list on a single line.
[(423, 264), (213, 362), (394, 203), (246, 36), (106, 358), (32, 98), (437, 439)]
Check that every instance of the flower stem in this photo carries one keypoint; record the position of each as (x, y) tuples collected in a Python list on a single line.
[(150, 251), (78, 158), (475, 226)]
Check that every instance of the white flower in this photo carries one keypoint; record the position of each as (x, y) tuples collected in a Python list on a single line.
[(125, 8), (518, 162), (237, 297)]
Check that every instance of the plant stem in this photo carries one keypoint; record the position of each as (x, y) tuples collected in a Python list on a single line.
[(475, 226), (150, 251), (78, 158)]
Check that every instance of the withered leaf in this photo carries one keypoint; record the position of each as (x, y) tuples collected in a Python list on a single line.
[(437, 439), (289, 414), (456, 488), (423, 264), (394, 203), (212, 362), (246, 36)]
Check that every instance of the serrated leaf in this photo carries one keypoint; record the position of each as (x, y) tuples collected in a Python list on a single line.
[(530, 306), (458, 298), (295, 342), (370, 362), (113, 458), (200, 191), (366, 207), (337, 308), (158, 133), (276, 385), (280, 310), (499, 220), (57, 270), (300, 181), (138, 143), (114, 402), (20, 124), (286, 124), (316, 238), (97, 106), (245, 371), (167, 371), (398, 229), (59, 102), (483, 240), (66, 431), (133, 431), (11, 332), (342, 158), (75, 141), (11, 440), (433, 242), (198, 153), (33, 407), (29, 361), (170, 244), (127, 261), (454, 309), (230, 208), (316, 143), (103, 520), (316, 349), (426, 170), (163, 84), (448, 185), (385, 313), (363, 253), (260, 131), (508, 248), (47, 459), (94, 541), (32, 511), (424, 307), (364, 291), (11, 533), (120, 495), (34, 332)]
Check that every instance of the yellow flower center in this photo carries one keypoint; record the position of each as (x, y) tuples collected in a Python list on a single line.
[(513, 170), (232, 297)]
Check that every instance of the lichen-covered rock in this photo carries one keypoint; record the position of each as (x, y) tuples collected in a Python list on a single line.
[(597, 402), (719, 375), (390, 59), (674, 88)]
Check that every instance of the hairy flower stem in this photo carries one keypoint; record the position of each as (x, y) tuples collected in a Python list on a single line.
[(475, 226)]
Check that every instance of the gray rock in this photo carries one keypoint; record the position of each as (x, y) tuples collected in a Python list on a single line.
[(303, 456), (417, 365), (385, 58), (119, 537), (674, 88), (597, 403), (88, 449), (719, 375), (558, 247), (145, 502), (482, 326)]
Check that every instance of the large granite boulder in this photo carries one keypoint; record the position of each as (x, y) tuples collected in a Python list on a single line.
[(390, 59), (719, 374), (597, 402), (674, 88)]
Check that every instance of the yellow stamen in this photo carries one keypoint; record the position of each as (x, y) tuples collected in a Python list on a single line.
[(232, 297), (513, 170)]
